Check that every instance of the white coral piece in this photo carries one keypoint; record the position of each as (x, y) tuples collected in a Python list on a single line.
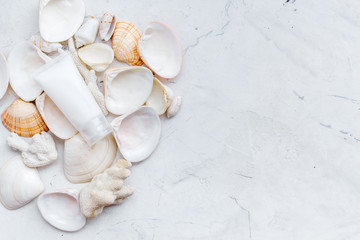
[(43, 45), (89, 77), (106, 189), (40, 153)]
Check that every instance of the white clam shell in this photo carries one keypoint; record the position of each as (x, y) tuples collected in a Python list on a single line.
[(19, 184), (60, 19), (87, 32), (61, 209), (82, 162), (4, 75), (24, 59), (137, 134), (160, 50), (160, 98), (127, 88), (56, 121), (97, 55), (107, 26)]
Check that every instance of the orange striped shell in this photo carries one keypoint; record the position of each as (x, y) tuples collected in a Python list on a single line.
[(125, 40), (23, 119)]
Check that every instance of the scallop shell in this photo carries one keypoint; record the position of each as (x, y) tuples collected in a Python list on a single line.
[(137, 134), (127, 88), (160, 49), (87, 32), (82, 163), (23, 119), (43, 45), (160, 98), (97, 55), (125, 39), (56, 121), (4, 75), (59, 20), (24, 59), (19, 184), (107, 26), (61, 209)]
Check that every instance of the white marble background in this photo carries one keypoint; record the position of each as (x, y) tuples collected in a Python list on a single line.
[(267, 144)]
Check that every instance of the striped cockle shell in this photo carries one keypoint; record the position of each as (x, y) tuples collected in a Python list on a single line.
[(44, 45), (23, 119), (124, 41), (107, 26)]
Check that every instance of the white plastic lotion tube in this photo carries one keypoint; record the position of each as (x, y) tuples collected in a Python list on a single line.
[(63, 83)]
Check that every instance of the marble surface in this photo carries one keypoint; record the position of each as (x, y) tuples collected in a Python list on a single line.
[(266, 145)]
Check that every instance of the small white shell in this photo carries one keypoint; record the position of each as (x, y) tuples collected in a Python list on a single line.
[(87, 32), (59, 20), (107, 26), (61, 209), (174, 107), (137, 134), (56, 121), (160, 98), (127, 88), (19, 184), (82, 163), (24, 60), (97, 55), (4, 75), (43, 45), (160, 50)]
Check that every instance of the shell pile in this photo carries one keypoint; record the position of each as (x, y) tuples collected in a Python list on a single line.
[(136, 94)]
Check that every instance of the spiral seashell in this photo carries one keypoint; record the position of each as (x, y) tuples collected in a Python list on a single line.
[(107, 26), (125, 39)]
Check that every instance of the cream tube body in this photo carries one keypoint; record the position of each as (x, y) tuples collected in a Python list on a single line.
[(63, 83)]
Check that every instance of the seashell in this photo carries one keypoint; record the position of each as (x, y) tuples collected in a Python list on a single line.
[(24, 59), (127, 88), (107, 26), (106, 189), (137, 134), (82, 163), (19, 184), (56, 121), (125, 40), (97, 55), (41, 152), (160, 49), (87, 32), (160, 97), (23, 119), (174, 107), (4, 75), (59, 20), (43, 45), (61, 209)]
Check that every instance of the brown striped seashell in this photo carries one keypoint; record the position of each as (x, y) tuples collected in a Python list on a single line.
[(23, 119), (124, 41)]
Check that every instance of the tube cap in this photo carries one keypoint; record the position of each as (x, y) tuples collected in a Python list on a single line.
[(95, 129)]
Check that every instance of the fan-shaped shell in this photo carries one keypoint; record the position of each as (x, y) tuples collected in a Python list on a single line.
[(61, 209), (160, 49), (127, 88), (19, 184), (125, 39), (23, 119), (82, 162), (4, 75), (24, 59), (137, 134), (60, 19), (56, 121)]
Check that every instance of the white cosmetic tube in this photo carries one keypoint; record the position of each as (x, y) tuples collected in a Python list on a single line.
[(63, 83)]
